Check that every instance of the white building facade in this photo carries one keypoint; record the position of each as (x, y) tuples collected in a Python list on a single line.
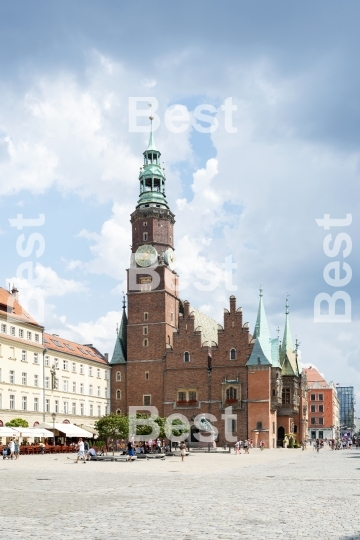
[(42, 374)]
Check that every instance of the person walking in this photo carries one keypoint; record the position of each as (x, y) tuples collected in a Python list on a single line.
[(11, 446), (246, 446), (182, 450), (16, 449), (81, 451), (317, 445), (130, 451), (237, 445)]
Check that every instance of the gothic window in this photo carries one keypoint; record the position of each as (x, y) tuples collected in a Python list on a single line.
[(233, 354), (286, 396), (118, 394), (231, 393), (186, 356), (118, 411)]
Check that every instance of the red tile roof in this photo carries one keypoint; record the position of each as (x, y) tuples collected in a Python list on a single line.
[(10, 307), (58, 344), (313, 375)]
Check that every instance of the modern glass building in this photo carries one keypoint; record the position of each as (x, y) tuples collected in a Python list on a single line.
[(347, 409)]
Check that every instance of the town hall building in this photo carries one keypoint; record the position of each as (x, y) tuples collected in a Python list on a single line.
[(171, 356)]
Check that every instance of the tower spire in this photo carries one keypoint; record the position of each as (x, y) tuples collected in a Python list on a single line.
[(152, 176), (287, 350), (261, 353)]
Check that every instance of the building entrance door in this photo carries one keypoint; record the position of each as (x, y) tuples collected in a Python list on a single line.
[(280, 436)]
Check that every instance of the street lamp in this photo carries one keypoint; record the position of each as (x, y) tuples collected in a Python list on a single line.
[(54, 417)]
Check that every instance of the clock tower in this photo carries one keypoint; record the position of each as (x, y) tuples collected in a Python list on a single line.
[(152, 286)]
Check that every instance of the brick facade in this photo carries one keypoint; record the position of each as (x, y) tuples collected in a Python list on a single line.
[(172, 363)]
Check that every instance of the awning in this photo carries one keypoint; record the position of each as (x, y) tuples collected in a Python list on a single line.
[(34, 432), (8, 432), (90, 428), (70, 430)]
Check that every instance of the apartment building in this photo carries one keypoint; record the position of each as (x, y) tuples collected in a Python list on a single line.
[(323, 406), (42, 374)]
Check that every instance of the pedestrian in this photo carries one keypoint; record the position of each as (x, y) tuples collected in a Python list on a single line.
[(182, 450), (246, 446), (237, 444), (317, 445), (262, 445), (130, 451), (86, 447), (11, 446), (16, 449), (81, 451)]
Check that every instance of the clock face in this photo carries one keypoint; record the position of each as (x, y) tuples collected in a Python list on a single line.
[(169, 258), (146, 256)]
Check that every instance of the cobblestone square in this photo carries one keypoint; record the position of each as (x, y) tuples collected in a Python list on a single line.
[(272, 494)]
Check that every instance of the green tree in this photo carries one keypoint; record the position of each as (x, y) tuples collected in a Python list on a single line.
[(17, 422), (113, 426)]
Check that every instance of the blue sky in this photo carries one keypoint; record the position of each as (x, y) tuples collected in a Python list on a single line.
[(67, 71)]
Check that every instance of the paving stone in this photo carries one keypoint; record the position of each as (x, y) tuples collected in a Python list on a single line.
[(265, 495)]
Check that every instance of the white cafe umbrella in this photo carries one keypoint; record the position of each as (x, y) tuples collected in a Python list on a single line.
[(8, 432)]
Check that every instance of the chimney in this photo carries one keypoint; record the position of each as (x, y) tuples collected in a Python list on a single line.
[(106, 356), (15, 293)]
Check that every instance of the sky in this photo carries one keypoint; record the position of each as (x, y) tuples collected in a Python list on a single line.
[(246, 195)]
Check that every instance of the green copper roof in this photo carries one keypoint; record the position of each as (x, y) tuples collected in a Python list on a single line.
[(152, 178), (258, 356), (151, 145), (209, 327), (287, 351), (262, 351), (119, 354), (275, 356)]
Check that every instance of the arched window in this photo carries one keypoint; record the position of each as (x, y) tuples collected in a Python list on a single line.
[(231, 393), (145, 342), (233, 354), (118, 411), (186, 356), (118, 394), (118, 376)]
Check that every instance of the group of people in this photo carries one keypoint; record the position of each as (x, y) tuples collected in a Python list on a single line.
[(84, 451), (246, 445), (12, 450), (345, 443)]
